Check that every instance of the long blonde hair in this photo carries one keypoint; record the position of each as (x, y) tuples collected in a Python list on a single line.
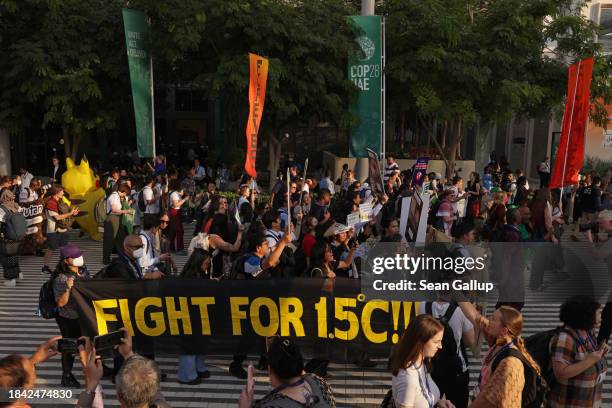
[(512, 319)]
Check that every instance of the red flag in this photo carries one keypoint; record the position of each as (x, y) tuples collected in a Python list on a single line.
[(570, 154), (257, 96)]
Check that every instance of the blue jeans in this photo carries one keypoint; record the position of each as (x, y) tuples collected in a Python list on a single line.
[(189, 367)]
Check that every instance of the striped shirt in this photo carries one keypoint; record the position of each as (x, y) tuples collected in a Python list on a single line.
[(389, 169)]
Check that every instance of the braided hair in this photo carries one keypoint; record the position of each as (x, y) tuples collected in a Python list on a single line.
[(513, 321)]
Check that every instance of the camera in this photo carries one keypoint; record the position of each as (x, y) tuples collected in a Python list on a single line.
[(69, 346), (108, 341), (591, 226)]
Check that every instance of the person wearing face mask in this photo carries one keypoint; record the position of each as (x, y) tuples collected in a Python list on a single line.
[(127, 266), (113, 230), (70, 268)]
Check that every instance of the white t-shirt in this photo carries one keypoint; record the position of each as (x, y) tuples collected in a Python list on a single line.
[(415, 388), (148, 195), (113, 202), (458, 323), (200, 173), (241, 201), (27, 195), (175, 197)]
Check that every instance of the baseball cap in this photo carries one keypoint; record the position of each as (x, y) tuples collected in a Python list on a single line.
[(70, 251)]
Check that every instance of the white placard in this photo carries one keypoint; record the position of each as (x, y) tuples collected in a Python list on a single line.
[(607, 139), (364, 211), (353, 219)]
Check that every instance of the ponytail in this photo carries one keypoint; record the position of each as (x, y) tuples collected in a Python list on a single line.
[(520, 345)]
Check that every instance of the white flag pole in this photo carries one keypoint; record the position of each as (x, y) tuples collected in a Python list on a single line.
[(304, 177), (288, 201), (569, 133)]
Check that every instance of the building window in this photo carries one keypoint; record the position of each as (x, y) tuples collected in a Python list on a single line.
[(187, 100)]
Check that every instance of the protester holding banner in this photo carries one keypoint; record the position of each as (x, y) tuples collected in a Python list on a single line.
[(192, 367), (70, 268)]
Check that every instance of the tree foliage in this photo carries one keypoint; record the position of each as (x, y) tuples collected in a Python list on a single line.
[(462, 61)]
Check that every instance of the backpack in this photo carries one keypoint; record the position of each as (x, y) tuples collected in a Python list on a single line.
[(446, 363), (534, 390), (237, 271), (142, 205), (101, 274), (100, 213), (15, 225), (433, 219), (47, 306), (538, 346)]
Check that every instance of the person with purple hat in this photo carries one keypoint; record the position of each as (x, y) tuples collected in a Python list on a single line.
[(70, 268)]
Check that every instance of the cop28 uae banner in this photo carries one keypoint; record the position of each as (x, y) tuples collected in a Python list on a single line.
[(365, 70), (137, 40), (258, 70), (199, 316)]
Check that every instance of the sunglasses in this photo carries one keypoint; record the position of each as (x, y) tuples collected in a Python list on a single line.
[(164, 221), (283, 343)]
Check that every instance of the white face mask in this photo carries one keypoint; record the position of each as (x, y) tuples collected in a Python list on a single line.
[(18, 182), (78, 261), (137, 254)]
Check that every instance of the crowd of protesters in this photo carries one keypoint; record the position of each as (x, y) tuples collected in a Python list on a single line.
[(302, 230)]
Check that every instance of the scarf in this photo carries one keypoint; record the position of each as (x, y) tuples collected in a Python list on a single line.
[(7, 199)]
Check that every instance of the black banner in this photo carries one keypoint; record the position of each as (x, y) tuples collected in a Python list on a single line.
[(190, 316)]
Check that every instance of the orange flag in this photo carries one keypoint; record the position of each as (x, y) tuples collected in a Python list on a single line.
[(257, 96), (570, 154)]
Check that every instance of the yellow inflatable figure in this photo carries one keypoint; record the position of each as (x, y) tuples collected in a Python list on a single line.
[(81, 183)]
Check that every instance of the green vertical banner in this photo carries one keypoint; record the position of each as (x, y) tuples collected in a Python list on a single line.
[(137, 40), (365, 70)]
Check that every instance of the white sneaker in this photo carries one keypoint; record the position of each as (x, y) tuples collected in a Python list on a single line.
[(11, 283), (20, 275)]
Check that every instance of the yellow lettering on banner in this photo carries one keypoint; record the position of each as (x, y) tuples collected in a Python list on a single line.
[(175, 315), (101, 317), (366, 324), (291, 311), (157, 317), (237, 314), (351, 317), (202, 303), (258, 327), (125, 315)]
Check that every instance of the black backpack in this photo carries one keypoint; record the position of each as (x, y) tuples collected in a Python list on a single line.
[(47, 306), (446, 363), (535, 388), (433, 219), (142, 206), (15, 225), (538, 345)]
